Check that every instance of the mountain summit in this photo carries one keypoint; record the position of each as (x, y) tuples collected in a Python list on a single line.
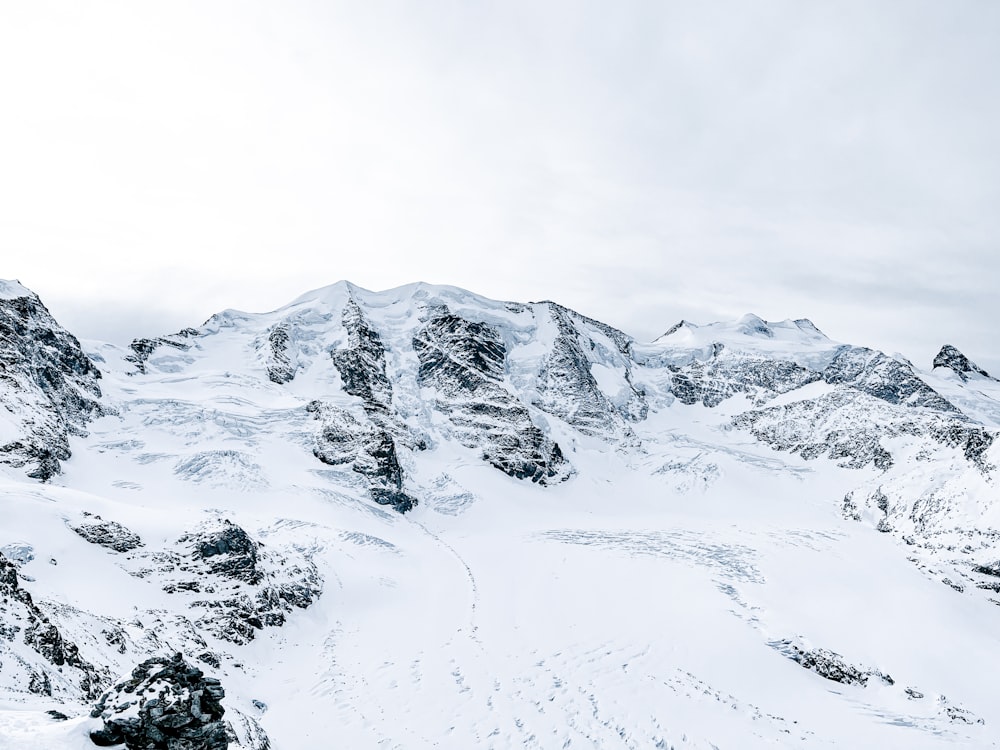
[(954, 360)]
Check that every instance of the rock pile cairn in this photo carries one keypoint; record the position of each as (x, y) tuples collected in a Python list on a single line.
[(166, 704)]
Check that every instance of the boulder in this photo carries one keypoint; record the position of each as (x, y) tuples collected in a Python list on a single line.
[(110, 534), (165, 704)]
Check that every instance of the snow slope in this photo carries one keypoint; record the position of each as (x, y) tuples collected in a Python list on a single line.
[(740, 535)]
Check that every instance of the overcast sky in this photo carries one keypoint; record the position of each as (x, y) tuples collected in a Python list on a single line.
[(640, 162)]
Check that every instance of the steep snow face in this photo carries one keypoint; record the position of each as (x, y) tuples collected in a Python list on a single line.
[(423, 518), (13, 290)]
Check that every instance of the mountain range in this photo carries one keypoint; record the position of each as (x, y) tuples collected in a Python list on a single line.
[(423, 518)]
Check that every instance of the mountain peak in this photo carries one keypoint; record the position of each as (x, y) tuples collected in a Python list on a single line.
[(752, 326), (10, 289), (674, 329), (954, 360), (337, 294)]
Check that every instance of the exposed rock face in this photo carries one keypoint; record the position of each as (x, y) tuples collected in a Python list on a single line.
[(621, 340), (166, 704), (22, 622), (459, 353), (957, 362), (988, 569), (568, 388), (884, 378), (267, 587), (279, 367), (362, 364), (143, 349), (48, 387), (227, 551), (829, 665), (830, 426), (364, 447), (463, 361), (832, 666), (726, 374), (246, 731), (110, 534), (874, 398), (238, 585)]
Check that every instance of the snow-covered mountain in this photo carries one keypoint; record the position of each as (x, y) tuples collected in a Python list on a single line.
[(422, 518)]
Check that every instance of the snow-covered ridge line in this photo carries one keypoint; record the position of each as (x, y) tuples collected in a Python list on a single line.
[(10, 289)]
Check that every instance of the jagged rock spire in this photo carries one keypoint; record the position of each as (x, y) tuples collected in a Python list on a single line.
[(953, 359)]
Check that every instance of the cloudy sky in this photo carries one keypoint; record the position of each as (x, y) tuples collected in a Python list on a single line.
[(641, 162)]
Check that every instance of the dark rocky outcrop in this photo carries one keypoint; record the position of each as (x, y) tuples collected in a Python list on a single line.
[(829, 665), (883, 377), (954, 360), (568, 389), (988, 569), (366, 442), (725, 374), (714, 373), (365, 447), (227, 551), (850, 428), (48, 385), (143, 349), (959, 715), (165, 704), (463, 361), (362, 363), (20, 617), (241, 587), (458, 353), (246, 731), (622, 341), (280, 369), (110, 534)]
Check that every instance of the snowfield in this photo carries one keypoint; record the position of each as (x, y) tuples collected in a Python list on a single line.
[(684, 571)]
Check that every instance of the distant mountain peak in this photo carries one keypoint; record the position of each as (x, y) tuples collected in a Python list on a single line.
[(957, 362), (804, 324), (752, 326), (674, 329), (338, 293)]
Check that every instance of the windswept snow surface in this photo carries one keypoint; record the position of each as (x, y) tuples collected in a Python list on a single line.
[(13, 290), (652, 599)]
